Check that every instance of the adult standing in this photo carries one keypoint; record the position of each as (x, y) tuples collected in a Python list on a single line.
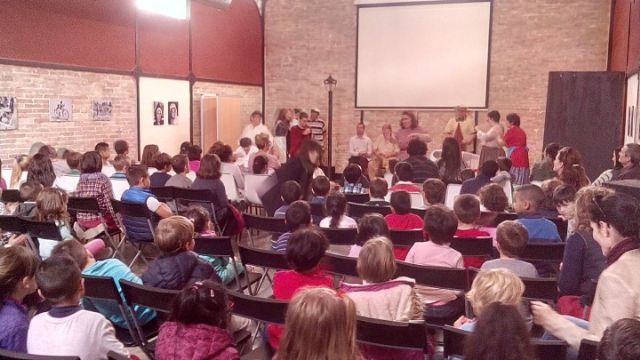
[(515, 139), (317, 125), (298, 134), (299, 168), (409, 129), (629, 157), (360, 148), (281, 132), (491, 148), (255, 127), (568, 166), (462, 128), (615, 221), (385, 148)]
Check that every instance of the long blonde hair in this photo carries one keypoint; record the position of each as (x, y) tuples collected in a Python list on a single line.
[(320, 325), (19, 166), (51, 205), (584, 198)]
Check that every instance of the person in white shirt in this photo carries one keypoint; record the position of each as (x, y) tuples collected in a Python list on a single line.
[(69, 181), (360, 148), (255, 127), (67, 329), (102, 148), (244, 152)]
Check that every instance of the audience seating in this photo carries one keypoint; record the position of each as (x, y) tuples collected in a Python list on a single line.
[(201, 197), (588, 350), (340, 265), (340, 236), (493, 219), (90, 205), (32, 228), (223, 246), (151, 297), (135, 211), (392, 334), (10, 355), (356, 210), (166, 194), (419, 212), (263, 223), (317, 211), (543, 251), (406, 238), (10, 196), (230, 187), (357, 198), (266, 259), (453, 190), (454, 340), (435, 276), (562, 226), (544, 289), (262, 310), (473, 246)]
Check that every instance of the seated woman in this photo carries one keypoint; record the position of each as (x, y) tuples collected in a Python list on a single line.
[(208, 177), (615, 220), (450, 163)]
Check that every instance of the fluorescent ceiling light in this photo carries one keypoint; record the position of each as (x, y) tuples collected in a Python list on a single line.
[(172, 8)]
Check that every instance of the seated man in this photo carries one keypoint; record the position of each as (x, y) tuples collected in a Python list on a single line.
[(360, 148)]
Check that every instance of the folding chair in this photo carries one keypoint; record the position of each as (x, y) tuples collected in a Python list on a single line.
[(392, 334), (263, 223), (230, 187), (454, 339), (104, 288), (137, 222), (266, 259), (10, 195), (406, 238), (252, 183), (223, 246), (357, 198), (166, 194), (262, 310), (544, 289), (158, 299), (340, 236), (203, 197), (356, 210), (473, 246), (90, 205), (588, 350), (10, 355), (40, 230), (340, 265)]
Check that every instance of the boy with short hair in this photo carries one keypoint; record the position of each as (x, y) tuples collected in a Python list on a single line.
[(298, 216), (378, 189), (102, 148), (69, 181), (108, 267), (118, 180), (163, 164), (121, 147), (404, 173), (434, 192), (467, 210), (564, 198), (28, 194), (512, 239), (528, 200), (67, 329), (354, 181), (401, 218), (290, 191), (178, 265), (180, 163), (320, 186)]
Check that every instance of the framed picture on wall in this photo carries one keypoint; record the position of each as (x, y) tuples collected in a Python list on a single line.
[(8, 113), (102, 110), (60, 109), (173, 112), (158, 113)]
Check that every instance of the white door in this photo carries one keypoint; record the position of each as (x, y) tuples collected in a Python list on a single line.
[(632, 120)]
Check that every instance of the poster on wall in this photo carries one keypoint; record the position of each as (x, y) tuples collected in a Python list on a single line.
[(102, 110), (60, 109), (158, 113), (8, 113), (173, 112)]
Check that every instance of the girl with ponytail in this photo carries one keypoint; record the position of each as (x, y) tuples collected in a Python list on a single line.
[(336, 205)]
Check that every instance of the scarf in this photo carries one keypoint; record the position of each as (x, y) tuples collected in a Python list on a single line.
[(620, 248)]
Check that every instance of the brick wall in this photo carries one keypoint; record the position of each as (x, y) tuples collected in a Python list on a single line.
[(308, 40), (251, 100), (33, 87)]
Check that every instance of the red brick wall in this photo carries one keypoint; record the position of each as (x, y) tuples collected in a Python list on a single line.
[(308, 40)]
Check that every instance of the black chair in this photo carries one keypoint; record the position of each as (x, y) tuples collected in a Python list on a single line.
[(392, 334), (158, 299), (166, 194), (11, 223), (419, 212), (543, 251), (544, 289), (202, 197), (588, 350), (10, 355), (266, 259), (90, 205), (340, 264), (493, 219), (223, 246), (357, 198), (10, 196), (263, 223), (340, 236), (262, 310), (473, 246), (435, 276), (454, 340), (317, 210), (562, 226), (104, 288), (140, 213), (40, 230), (357, 210), (406, 238)]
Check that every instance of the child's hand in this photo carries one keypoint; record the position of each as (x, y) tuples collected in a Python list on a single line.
[(461, 321), (16, 240)]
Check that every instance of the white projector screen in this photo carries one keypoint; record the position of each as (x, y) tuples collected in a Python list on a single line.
[(423, 55)]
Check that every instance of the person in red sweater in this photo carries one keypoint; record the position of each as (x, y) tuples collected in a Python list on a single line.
[(305, 249), (298, 134), (401, 218), (467, 210), (404, 174)]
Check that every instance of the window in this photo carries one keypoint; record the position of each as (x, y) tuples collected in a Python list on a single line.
[(172, 8)]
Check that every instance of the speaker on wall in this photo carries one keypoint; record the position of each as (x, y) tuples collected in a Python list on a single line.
[(218, 4)]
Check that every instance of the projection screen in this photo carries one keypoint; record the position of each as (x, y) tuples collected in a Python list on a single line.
[(423, 55)]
